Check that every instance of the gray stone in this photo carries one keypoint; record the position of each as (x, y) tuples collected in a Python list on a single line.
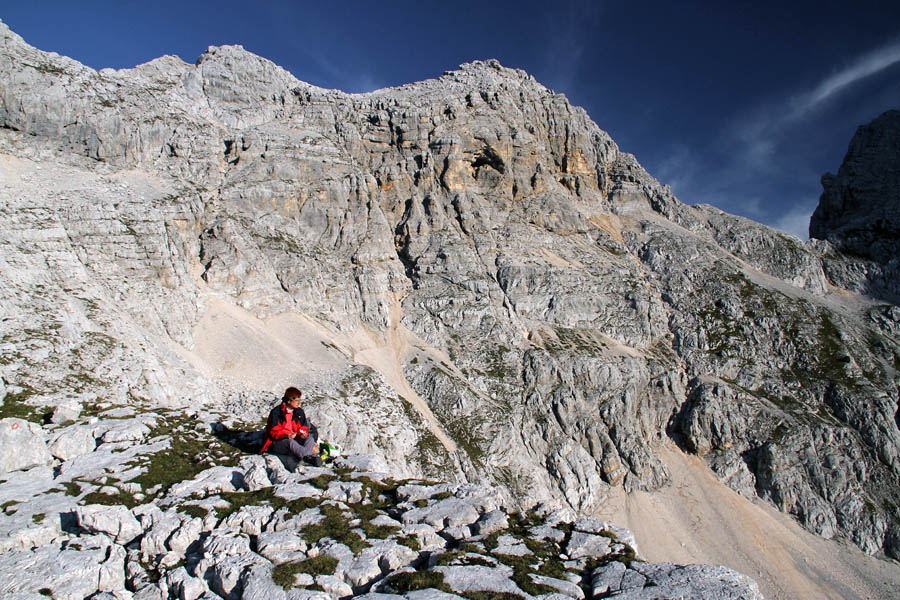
[(690, 581), (23, 445), (491, 522), (281, 546), (212, 480), (507, 544), (594, 525), (456, 534), (256, 473), (426, 535), (334, 586), (607, 578), (544, 532), (412, 492), (295, 490), (857, 212), (71, 442), (132, 430), (429, 594), (256, 584), (225, 573), (567, 588), (66, 412), (479, 579), (450, 512), (385, 521), (587, 545), (362, 462), (282, 522), (117, 522), (67, 573), (249, 519), (349, 492), (184, 587)]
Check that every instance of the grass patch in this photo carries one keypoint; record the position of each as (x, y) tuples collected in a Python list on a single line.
[(237, 500), (8, 505), (336, 526), (122, 498), (38, 518), (285, 574), (490, 596), (46, 68), (46, 592), (523, 567), (321, 481), (14, 407), (188, 455), (378, 532), (463, 558), (418, 580), (410, 541), (194, 511), (72, 488)]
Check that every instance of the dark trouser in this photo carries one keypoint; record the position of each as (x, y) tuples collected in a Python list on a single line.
[(297, 447)]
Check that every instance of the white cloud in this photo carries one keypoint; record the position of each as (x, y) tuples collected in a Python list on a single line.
[(796, 220), (759, 132), (566, 38), (861, 68), (677, 169)]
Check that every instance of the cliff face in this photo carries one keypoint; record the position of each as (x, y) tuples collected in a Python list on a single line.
[(859, 211), (466, 274)]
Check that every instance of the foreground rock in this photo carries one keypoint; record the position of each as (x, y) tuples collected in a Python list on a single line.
[(326, 534)]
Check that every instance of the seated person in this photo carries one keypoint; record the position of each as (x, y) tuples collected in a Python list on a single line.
[(289, 432)]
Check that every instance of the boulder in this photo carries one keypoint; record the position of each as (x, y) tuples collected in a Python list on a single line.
[(585, 545), (479, 579), (23, 445), (212, 480), (72, 441), (117, 522), (65, 412)]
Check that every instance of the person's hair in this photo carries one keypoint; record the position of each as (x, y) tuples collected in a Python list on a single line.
[(292, 393)]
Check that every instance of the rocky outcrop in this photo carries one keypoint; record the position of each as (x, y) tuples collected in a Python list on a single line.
[(859, 211), (467, 276), (148, 519)]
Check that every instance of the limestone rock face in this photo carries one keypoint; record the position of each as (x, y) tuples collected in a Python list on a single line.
[(466, 275), (859, 210)]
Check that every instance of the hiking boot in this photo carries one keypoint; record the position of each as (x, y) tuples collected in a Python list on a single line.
[(314, 460)]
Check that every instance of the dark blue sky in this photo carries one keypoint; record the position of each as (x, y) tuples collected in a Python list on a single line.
[(743, 105)]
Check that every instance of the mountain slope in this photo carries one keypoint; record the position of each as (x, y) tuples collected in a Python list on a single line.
[(467, 274)]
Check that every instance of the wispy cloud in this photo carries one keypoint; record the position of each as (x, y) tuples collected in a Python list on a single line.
[(567, 38), (761, 131), (796, 220), (862, 67)]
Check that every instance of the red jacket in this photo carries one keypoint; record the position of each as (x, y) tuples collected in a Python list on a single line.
[(284, 422)]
